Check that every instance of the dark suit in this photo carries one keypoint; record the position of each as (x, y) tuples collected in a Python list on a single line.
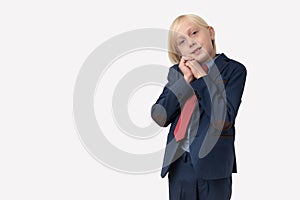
[(219, 96)]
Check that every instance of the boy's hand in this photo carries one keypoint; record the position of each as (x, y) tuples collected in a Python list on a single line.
[(195, 68), (187, 72)]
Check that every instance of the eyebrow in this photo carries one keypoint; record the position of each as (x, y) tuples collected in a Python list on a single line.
[(180, 37), (190, 30)]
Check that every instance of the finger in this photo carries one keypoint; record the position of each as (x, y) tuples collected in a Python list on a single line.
[(189, 64), (182, 64), (182, 60), (187, 58)]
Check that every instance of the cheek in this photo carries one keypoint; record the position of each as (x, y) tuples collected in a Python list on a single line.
[(204, 39), (208, 44), (182, 50)]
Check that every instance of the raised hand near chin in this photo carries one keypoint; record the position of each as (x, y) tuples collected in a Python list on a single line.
[(197, 70), (187, 72)]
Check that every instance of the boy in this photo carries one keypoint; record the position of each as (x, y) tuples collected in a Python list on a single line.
[(200, 101)]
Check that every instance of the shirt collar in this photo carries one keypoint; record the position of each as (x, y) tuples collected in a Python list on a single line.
[(210, 63)]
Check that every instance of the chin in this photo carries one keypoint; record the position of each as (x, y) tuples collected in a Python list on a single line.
[(202, 58)]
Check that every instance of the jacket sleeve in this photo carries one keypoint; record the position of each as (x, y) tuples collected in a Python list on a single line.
[(172, 98), (220, 102)]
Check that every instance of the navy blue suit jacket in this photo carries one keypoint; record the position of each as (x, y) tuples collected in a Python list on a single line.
[(219, 96)]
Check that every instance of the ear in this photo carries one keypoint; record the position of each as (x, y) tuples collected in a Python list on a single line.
[(211, 32)]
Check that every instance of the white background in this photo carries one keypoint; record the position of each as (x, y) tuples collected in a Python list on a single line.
[(43, 45)]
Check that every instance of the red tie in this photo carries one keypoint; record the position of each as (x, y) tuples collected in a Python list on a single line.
[(205, 68), (184, 119), (186, 114)]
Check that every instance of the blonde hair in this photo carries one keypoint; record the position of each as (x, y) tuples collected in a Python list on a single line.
[(174, 54)]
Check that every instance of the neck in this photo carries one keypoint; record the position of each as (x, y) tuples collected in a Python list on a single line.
[(210, 57)]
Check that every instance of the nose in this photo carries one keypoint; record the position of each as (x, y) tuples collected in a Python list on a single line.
[(191, 42)]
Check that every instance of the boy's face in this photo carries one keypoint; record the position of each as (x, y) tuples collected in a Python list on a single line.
[(195, 42)]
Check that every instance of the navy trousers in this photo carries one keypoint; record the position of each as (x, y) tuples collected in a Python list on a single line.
[(184, 185)]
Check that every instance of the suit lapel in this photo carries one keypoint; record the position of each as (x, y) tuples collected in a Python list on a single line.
[(218, 67)]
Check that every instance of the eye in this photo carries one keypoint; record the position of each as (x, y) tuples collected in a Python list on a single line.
[(195, 32), (181, 42)]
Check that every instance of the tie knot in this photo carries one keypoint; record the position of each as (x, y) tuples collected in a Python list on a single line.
[(205, 68)]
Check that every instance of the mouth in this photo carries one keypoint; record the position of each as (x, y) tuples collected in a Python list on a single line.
[(196, 51)]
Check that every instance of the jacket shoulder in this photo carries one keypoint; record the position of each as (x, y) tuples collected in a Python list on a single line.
[(237, 65), (233, 65), (175, 66)]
